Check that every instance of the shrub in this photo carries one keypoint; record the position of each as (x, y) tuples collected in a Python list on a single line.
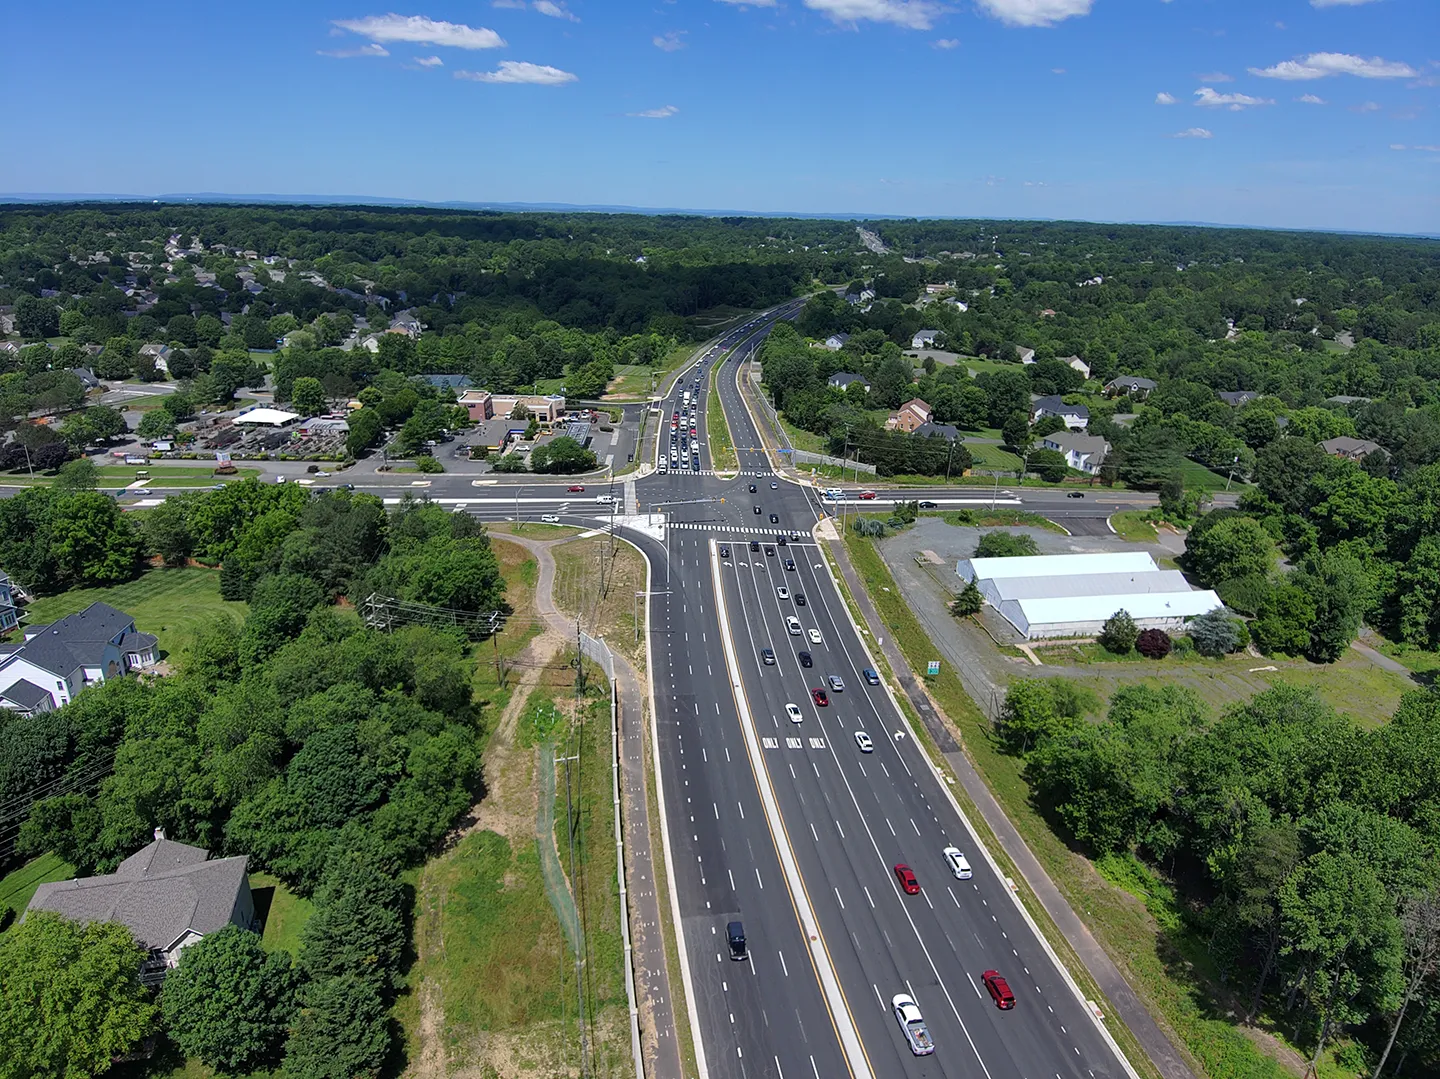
[(1245, 594), (428, 464), (1214, 633), (1153, 643), (968, 602), (1119, 633), (1002, 544)]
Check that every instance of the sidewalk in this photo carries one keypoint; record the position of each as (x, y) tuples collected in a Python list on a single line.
[(1122, 998), (658, 1043)]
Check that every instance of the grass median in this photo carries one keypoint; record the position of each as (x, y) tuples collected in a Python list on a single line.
[(722, 447)]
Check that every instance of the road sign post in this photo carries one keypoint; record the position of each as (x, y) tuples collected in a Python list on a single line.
[(932, 668)]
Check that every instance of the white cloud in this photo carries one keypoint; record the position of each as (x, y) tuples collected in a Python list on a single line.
[(1193, 133), (669, 42), (520, 71), (1234, 102), (1319, 65), (1035, 12), (1339, 3), (1162, 98), (554, 10), (664, 112), (1423, 149), (1366, 106), (512, 4), (1310, 99), (419, 30), (1057, 71), (1216, 76), (911, 14), (750, 3), (947, 43), (363, 50), (430, 61)]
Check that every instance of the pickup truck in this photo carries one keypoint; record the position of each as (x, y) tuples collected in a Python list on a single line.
[(912, 1025)]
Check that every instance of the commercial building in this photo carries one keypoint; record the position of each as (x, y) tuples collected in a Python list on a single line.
[(1073, 595), (266, 417)]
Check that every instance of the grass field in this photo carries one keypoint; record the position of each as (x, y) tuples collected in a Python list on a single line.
[(802, 440), (722, 447), (981, 517), (1170, 969), (170, 603), (284, 913), (115, 477), (985, 455), (17, 886), (631, 380), (1131, 526), (1199, 478), (610, 615)]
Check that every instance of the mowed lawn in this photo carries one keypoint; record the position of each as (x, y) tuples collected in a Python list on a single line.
[(17, 886), (170, 603)]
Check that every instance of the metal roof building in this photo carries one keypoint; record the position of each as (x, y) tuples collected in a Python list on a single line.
[(1084, 616), (1090, 584), (986, 571)]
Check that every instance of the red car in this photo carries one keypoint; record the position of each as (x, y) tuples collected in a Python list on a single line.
[(821, 697), (999, 990), (908, 883), (576, 487), (867, 495)]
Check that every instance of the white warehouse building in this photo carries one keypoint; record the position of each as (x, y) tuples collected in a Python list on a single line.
[(1073, 595)]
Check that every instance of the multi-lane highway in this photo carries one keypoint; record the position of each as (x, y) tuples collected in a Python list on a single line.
[(789, 827)]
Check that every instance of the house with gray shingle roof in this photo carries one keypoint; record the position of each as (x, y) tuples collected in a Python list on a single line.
[(168, 894), (841, 380), (1076, 417), (79, 650), (9, 616)]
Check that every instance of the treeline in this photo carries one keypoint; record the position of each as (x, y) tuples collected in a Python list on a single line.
[(1303, 846)]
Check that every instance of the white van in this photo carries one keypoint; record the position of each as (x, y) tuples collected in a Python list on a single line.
[(793, 625)]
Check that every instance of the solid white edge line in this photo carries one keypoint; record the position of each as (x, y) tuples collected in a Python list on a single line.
[(1064, 971), (690, 1004), (810, 926)]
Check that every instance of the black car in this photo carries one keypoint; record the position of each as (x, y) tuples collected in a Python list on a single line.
[(752, 488), (1075, 494), (790, 564), (780, 540), (769, 550), (724, 552), (754, 545), (805, 660), (757, 509), (799, 599), (929, 506), (774, 518)]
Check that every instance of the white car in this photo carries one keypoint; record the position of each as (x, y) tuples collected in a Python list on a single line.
[(783, 592), (959, 867), (794, 713), (815, 637), (912, 1024), (604, 500), (863, 741), (793, 625), (550, 518)]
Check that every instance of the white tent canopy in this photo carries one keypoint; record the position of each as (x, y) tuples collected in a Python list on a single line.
[(268, 417)]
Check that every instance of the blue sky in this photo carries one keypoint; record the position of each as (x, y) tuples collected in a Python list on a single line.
[(1290, 113)]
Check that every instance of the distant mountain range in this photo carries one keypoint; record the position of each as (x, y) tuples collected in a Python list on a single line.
[(569, 207)]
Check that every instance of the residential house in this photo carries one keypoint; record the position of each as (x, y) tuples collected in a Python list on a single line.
[(924, 339), (1076, 417), (10, 348), (1083, 453), (958, 304), (81, 649), (1237, 398), (9, 616), (1026, 355), (1346, 400), (836, 341), (405, 322), (1130, 385), (908, 417), (370, 343), (937, 430), (169, 895), (1075, 363), (160, 353), (1352, 449), (87, 377), (841, 380), (7, 320), (944, 286)]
